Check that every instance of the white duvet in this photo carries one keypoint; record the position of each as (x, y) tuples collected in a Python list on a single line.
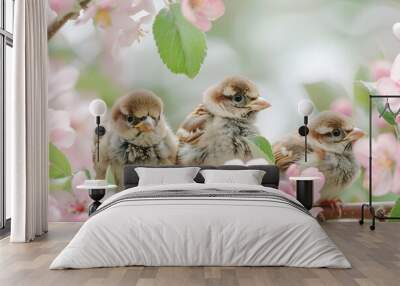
[(200, 231)]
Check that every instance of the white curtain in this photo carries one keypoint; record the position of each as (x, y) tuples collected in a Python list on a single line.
[(26, 119)]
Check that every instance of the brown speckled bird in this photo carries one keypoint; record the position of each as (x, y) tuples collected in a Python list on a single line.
[(137, 134), (216, 131), (329, 149)]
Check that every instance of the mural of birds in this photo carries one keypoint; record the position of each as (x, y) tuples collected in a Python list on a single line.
[(330, 142), (218, 129), (136, 134)]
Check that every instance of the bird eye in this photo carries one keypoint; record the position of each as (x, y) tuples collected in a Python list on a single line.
[(336, 132), (130, 119), (238, 98)]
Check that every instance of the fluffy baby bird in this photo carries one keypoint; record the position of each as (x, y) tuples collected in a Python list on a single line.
[(330, 142), (137, 134), (217, 130)]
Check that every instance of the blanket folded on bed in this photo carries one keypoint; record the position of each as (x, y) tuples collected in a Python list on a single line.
[(205, 193)]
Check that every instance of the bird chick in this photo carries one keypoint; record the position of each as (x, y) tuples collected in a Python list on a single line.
[(137, 134), (330, 142), (217, 130)]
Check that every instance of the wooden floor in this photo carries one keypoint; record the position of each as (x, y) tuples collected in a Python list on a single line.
[(375, 257)]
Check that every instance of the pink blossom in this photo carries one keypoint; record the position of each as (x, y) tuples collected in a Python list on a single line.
[(60, 131), (61, 84), (342, 106), (387, 86), (202, 12), (385, 163), (122, 20), (79, 153), (69, 205), (69, 116), (289, 187), (390, 85), (62, 7), (380, 69)]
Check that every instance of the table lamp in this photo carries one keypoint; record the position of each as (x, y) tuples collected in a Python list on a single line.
[(305, 108), (98, 108)]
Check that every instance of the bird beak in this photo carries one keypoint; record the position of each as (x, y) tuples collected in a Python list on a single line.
[(259, 104), (146, 125), (355, 135)]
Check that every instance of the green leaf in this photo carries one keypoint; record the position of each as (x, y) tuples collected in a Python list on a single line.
[(388, 116), (370, 86), (361, 95), (395, 212), (60, 172), (390, 197), (182, 47), (322, 94), (59, 164), (362, 90), (110, 176), (264, 147), (62, 184)]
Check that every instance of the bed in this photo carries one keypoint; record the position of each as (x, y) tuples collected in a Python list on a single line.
[(198, 224)]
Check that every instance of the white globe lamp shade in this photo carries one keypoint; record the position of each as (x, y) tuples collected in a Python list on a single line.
[(98, 107), (396, 30), (305, 107)]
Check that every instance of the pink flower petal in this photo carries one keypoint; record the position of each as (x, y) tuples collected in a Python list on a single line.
[(395, 71), (386, 86), (293, 171), (214, 9), (202, 13), (342, 106), (60, 131), (381, 182), (62, 7), (62, 138), (380, 69), (287, 187), (202, 23)]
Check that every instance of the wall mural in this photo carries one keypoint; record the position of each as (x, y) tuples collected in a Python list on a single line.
[(207, 82)]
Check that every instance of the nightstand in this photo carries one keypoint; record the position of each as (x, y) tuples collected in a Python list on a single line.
[(96, 193), (305, 190)]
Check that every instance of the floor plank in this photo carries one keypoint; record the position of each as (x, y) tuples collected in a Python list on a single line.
[(375, 257)]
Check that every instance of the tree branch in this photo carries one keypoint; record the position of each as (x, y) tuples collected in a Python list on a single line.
[(58, 23)]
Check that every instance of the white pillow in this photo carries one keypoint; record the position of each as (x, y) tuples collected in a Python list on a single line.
[(166, 176), (247, 177)]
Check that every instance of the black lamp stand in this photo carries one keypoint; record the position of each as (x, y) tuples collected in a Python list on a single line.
[(305, 193), (99, 131), (303, 131), (369, 206), (96, 195)]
